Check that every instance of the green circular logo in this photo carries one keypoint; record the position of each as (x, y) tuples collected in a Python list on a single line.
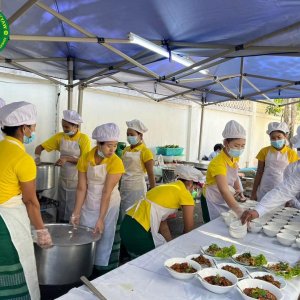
[(4, 31)]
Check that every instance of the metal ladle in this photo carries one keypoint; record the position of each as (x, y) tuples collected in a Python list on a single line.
[(92, 288)]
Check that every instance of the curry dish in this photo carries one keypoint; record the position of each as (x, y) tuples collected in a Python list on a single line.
[(201, 260), (259, 294), (218, 280), (183, 268), (235, 271)]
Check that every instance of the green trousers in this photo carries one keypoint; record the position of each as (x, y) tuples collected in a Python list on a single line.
[(204, 208), (12, 280), (135, 238)]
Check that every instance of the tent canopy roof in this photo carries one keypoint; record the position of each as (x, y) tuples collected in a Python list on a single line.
[(249, 49)]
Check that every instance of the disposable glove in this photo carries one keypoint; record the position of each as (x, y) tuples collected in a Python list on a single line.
[(43, 238)]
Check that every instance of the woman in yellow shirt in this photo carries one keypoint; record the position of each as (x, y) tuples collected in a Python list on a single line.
[(222, 181), (137, 159), (98, 198), (272, 160), (145, 227), (71, 144), (19, 205)]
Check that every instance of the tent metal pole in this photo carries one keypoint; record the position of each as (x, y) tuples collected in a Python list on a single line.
[(22, 10), (175, 95), (256, 88), (267, 78), (282, 105), (70, 82), (87, 33), (216, 102), (218, 62), (63, 39), (201, 132), (199, 64), (206, 78), (226, 88), (133, 88), (127, 82), (241, 77), (19, 66), (35, 59), (80, 98), (269, 90)]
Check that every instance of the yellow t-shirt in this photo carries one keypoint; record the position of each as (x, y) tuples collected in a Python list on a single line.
[(291, 154), (54, 142), (114, 164), (146, 153), (170, 195), (218, 166), (15, 166)]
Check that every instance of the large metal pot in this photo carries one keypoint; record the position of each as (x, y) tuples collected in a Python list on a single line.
[(72, 255), (45, 178)]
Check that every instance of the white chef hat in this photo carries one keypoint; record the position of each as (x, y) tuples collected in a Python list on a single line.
[(295, 140), (234, 130), (2, 102), (72, 116), (106, 132), (137, 125), (277, 126), (189, 173), (18, 113)]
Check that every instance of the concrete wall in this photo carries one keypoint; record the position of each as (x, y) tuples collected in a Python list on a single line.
[(168, 123)]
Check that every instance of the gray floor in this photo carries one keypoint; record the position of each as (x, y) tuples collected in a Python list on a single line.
[(176, 224)]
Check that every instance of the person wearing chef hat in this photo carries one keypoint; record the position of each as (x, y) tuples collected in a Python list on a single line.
[(71, 144), (2, 103), (145, 227), (222, 181), (98, 198), (272, 160), (137, 159), (19, 205)]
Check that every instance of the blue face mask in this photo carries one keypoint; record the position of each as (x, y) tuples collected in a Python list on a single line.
[(69, 133), (235, 152), (28, 140), (278, 144), (100, 153), (133, 140)]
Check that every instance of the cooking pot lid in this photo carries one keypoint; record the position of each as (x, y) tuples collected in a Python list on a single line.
[(67, 235)]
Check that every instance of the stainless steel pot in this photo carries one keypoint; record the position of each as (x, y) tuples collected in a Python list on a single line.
[(72, 255), (45, 178)]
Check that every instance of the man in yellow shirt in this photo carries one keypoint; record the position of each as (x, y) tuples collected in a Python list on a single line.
[(71, 144), (138, 160), (272, 160), (144, 227), (98, 198), (19, 204)]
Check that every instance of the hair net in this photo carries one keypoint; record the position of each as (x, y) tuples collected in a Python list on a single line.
[(18, 113), (72, 116), (234, 130), (137, 125), (189, 173), (295, 140), (276, 126), (106, 133), (2, 102)]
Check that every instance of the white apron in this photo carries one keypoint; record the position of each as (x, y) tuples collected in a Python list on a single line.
[(133, 184), (215, 202), (275, 164), (68, 180), (158, 214), (96, 176), (15, 216)]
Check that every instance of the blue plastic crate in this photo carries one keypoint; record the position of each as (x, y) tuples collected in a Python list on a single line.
[(169, 151)]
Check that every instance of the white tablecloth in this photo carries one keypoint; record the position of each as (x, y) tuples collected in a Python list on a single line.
[(145, 278)]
